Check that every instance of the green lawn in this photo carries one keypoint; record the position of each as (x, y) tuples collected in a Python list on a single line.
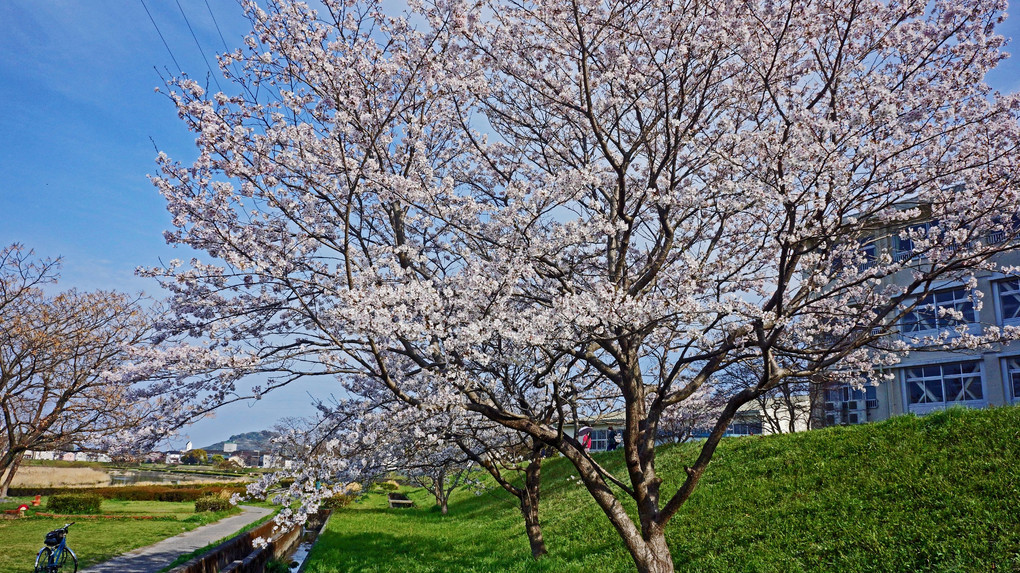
[(940, 493), (96, 540)]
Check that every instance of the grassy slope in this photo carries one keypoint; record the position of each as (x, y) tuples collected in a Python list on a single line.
[(96, 540), (940, 493)]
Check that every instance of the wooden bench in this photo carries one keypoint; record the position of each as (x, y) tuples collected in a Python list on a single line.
[(399, 500)]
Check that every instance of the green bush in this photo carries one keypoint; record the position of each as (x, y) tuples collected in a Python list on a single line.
[(211, 503), (388, 486), (338, 501), (74, 503)]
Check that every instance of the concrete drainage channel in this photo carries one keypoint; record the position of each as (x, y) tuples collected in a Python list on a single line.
[(239, 555), (310, 535)]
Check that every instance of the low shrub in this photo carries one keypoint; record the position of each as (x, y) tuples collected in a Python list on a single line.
[(211, 503), (74, 503), (167, 493), (338, 501), (388, 485)]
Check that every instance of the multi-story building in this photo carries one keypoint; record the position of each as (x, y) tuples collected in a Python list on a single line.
[(928, 379)]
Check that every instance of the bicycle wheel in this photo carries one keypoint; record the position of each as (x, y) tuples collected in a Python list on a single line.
[(68, 562), (42, 561)]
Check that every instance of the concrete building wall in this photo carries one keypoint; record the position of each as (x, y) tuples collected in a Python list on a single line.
[(915, 379)]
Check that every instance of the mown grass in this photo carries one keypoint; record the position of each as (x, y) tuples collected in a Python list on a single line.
[(96, 540), (939, 493)]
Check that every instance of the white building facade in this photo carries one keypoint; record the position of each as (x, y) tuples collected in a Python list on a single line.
[(926, 379)]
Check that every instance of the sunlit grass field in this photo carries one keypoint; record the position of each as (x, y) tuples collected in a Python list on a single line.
[(939, 493)]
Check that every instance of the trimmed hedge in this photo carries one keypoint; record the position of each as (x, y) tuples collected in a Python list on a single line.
[(136, 492), (212, 503), (74, 503)]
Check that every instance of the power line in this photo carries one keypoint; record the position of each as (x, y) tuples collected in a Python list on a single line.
[(226, 49), (200, 50), (169, 51), (217, 24)]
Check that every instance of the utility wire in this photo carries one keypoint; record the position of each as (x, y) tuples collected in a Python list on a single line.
[(226, 49), (169, 51), (200, 50), (217, 24)]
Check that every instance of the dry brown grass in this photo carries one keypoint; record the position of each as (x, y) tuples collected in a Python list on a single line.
[(36, 476)]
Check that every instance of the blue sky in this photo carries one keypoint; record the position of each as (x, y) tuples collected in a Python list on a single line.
[(79, 131), (77, 137)]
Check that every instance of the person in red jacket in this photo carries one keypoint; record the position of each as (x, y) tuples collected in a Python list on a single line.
[(584, 435)]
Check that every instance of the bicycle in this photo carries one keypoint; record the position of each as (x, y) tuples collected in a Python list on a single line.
[(56, 554)]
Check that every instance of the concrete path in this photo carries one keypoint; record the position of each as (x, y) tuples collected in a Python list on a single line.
[(157, 556)]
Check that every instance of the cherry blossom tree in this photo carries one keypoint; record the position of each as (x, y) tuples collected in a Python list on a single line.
[(61, 359), (612, 202), (361, 441)]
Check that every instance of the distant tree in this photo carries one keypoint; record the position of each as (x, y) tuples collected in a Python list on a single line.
[(193, 457), (218, 459), (784, 407), (65, 362), (227, 464), (682, 421)]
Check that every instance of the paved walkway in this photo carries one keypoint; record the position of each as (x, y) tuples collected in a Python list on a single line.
[(157, 556)]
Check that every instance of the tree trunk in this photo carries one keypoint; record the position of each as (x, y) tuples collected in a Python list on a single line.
[(441, 500), (651, 554), (532, 528), (529, 501), (12, 468)]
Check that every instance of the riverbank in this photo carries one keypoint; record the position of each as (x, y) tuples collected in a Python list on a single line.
[(96, 475), (938, 493)]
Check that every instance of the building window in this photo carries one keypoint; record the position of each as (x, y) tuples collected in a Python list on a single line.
[(845, 404), (941, 384), (847, 393), (747, 428), (1012, 368), (903, 245), (599, 440), (870, 254), (1009, 301), (939, 311)]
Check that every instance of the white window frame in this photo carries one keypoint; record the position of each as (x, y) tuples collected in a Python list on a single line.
[(1006, 286), (931, 405), (1011, 366), (961, 296), (599, 440)]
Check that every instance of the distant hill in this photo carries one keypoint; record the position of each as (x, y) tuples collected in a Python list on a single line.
[(247, 441)]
